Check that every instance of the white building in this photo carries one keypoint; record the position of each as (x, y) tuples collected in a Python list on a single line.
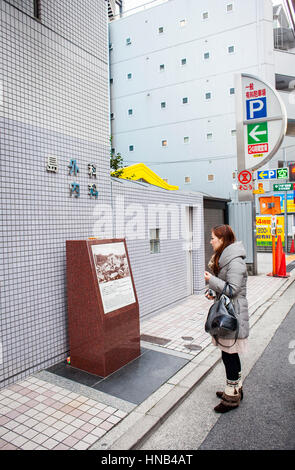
[(172, 70)]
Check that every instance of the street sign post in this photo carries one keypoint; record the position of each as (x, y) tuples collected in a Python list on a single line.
[(261, 121)]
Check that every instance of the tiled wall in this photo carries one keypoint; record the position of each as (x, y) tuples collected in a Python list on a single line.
[(54, 90), (54, 102), (160, 278)]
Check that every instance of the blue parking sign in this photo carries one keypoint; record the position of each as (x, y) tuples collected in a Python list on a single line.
[(256, 108)]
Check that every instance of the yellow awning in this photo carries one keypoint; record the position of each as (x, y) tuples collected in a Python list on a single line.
[(140, 171)]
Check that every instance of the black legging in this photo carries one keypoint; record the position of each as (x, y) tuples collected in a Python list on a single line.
[(232, 365)]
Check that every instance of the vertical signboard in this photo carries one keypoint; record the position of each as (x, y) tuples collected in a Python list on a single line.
[(261, 124)]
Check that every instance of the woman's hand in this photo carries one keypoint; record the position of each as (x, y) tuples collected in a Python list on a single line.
[(207, 276)]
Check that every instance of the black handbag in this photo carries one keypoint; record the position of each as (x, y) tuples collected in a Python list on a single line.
[(222, 321)]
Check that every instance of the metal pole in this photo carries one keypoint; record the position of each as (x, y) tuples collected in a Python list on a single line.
[(286, 209), (254, 241)]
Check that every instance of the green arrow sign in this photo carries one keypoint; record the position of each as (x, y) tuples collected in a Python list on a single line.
[(283, 187), (257, 133), (282, 173)]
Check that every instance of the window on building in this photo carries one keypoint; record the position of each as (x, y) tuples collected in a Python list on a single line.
[(208, 95), (229, 7), (129, 76), (161, 30), (231, 91), (186, 140), (128, 41), (111, 81), (163, 104), (205, 15), (234, 175), (231, 49), (130, 112), (37, 9), (209, 136), (280, 164), (185, 100), (182, 23), (131, 148), (112, 116), (233, 132), (164, 143), (183, 61), (210, 178), (162, 67), (187, 179), (154, 240), (206, 55)]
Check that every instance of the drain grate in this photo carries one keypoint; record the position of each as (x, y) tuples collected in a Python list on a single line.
[(154, 339), (193, 347), (290, 267), (187, 338)]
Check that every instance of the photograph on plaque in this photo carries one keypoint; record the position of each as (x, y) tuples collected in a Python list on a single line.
[(113, 275)]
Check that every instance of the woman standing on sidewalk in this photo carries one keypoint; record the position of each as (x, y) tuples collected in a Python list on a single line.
[(228, 266)]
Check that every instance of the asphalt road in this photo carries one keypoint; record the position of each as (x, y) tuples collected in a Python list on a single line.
[(266, 419)]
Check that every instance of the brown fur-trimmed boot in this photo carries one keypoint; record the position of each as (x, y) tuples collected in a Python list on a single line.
[(230, 398), (219, 393)]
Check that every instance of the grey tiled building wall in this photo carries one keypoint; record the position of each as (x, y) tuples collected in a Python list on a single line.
[(160, 278), (53, 102)]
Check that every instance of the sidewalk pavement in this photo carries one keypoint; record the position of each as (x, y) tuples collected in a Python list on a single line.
[(48, 410)]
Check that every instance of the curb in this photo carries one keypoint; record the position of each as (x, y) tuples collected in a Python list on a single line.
[(147, 416)]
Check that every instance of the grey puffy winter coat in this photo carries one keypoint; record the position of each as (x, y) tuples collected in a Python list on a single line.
[(234, 271)]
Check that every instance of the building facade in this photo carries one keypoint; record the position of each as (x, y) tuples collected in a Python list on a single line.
[(172, 78), (55, 181)]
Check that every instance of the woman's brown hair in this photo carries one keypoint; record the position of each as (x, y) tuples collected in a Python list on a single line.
[(228, 237)]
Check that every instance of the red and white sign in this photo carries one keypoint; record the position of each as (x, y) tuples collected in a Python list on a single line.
[(245, 177), (258, 148)]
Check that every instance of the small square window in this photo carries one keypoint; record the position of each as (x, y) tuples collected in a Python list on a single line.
[(131, 148), (234, 175), (210, 177), (112, 116), (111, 81), (129, 76), (186, 140), (162, 67), (187, 179), (209, 136), (233, 132), (231, 49), (128, 41), (163, 104), (184, 100), (155, 240), (229, 7), (130, 112), (161, 30), (182, 23), (206, 55), (164, 143), (208, 95), (205, 15), (183, 61), (231, 91)]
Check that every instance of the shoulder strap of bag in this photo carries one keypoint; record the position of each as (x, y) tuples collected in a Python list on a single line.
[(227, 285)]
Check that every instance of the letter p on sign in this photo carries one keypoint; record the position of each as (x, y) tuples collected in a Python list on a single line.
[(256, 108)]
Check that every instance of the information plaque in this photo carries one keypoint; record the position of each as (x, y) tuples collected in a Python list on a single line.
[(103, 311)]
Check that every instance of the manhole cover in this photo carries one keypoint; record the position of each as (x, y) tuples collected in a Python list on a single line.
[(154, 339), (193, 347), (187, 338)]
